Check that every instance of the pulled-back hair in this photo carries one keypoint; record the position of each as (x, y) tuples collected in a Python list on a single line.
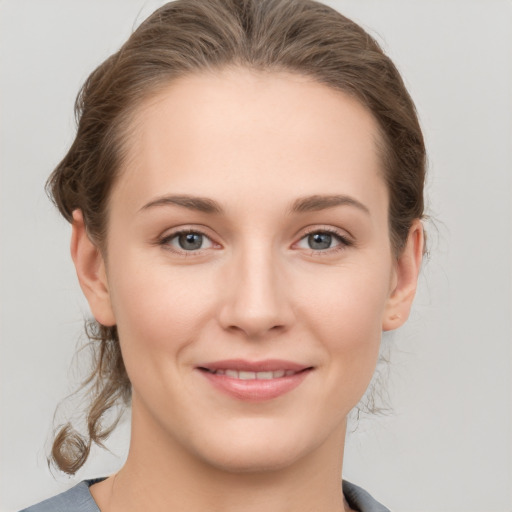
[(191, 36)]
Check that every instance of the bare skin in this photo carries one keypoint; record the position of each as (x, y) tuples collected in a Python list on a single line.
[(314, 286)]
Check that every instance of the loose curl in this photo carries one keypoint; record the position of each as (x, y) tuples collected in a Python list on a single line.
[(191, 36)]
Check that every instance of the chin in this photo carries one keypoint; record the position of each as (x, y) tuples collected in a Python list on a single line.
[(256, 451), (252, 460)]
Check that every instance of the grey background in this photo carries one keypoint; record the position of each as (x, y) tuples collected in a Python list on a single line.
[(447, 446)]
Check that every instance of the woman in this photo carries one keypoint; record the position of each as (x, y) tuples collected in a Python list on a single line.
[(245, 191)]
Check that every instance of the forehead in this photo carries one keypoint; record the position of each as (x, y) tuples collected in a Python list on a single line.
[(262, 134)]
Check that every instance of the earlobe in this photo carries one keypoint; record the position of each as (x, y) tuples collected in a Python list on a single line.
[(91, 273), (406, 280)]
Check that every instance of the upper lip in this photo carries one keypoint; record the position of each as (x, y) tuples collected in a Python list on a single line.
[(267, 365)]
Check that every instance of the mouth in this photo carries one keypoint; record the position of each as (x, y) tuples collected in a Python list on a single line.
[(255, 381), (248, 375)]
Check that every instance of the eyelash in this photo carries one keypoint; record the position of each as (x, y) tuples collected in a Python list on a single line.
[(165, 242), (344, 242)]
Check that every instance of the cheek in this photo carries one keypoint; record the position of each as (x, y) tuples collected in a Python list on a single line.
[(346, 314), (158, 312), (156, 307), (348, 300)]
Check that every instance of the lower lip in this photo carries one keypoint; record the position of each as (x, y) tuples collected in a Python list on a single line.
[(256, 390)]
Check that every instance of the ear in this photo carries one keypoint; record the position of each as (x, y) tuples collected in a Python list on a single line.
[(90, 269), (405, 281)]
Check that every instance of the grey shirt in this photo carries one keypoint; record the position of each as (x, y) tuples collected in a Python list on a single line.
[(79, 499)]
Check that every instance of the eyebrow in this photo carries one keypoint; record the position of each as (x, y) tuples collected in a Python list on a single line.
[(312, 203), (201, 204), (322, 202)]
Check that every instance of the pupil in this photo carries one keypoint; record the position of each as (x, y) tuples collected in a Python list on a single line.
[(320, 240), (191, 241)]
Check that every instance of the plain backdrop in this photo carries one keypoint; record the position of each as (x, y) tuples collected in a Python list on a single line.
[(447, 445)]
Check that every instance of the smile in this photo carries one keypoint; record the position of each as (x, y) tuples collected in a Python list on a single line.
[(247, 375), (254, 381)]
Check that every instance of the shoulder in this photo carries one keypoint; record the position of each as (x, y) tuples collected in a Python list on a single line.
[(79, 499), (76, 499), (361, 500)]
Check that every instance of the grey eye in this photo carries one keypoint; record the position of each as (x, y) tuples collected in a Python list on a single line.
[(319, 241), (190, 241), (187, 241)]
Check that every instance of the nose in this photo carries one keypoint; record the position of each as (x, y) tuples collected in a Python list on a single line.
[(255, 294)]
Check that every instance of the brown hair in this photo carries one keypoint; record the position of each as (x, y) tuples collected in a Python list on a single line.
[(190, 36)]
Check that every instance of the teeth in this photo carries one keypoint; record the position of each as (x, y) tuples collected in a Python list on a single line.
[(245, 375), (264, 375)]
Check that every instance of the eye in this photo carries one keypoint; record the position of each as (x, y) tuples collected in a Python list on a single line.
[(187, 240), (324, 241)]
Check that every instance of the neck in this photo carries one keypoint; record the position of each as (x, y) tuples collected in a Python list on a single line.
[(160, 475)]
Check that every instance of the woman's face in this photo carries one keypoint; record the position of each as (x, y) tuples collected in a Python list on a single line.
[(249, 267)]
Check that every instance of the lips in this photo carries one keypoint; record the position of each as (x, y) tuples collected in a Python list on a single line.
[(245, 375), (268, 365), (254, 380)]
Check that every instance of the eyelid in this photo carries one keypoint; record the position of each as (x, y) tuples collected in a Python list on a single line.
[(343, 237), (344, 241), (164, 240)]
